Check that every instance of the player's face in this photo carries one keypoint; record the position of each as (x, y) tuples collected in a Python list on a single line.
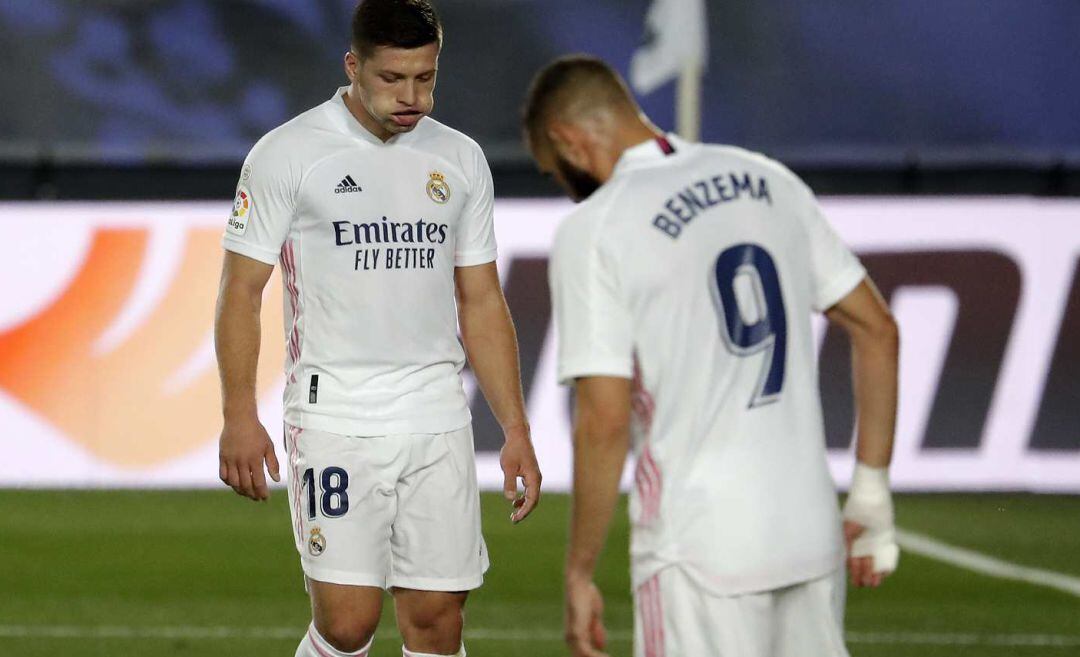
[(576, 182), (392, 89)]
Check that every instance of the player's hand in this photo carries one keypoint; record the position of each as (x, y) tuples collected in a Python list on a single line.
[(518, 461), (584, 621), (242, 449), (869, 529), (860, 568)]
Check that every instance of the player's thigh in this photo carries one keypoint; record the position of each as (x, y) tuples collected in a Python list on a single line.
[(675, 617), (437, 543), (342, 505), (345, 614), (810, 618)]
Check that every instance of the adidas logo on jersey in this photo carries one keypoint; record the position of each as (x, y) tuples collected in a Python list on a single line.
[(346, 185)]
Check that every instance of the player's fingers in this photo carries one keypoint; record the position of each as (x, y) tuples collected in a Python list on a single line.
[(580, 646), (223, 471), (258, 482), (232, 477), (246, 488), (865, 569), (599, 633), (532, 496), (852, 531), (272, 464), (509, 484)]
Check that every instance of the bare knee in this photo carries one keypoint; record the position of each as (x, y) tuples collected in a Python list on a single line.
[(431, 621), (345, 616), (345, 634)]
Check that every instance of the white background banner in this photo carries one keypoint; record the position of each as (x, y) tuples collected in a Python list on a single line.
[(107, 375)]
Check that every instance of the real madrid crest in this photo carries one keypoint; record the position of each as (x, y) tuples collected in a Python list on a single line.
[(437, 189), (316, 545)]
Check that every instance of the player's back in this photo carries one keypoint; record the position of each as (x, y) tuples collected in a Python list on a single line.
[(716, 258)]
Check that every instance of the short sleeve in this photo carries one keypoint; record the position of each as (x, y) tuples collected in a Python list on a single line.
[(263, 207), (476, 232), (593, 320), (835, 269)]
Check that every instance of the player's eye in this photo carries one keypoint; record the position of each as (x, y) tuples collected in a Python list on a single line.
[(389, 79)]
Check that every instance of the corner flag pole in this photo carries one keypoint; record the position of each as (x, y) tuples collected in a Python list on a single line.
[(688, 101)]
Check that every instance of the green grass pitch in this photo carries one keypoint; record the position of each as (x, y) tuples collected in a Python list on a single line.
[(207, 573)]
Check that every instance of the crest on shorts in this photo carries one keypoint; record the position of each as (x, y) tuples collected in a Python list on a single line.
[(437, 189), (316, 544)]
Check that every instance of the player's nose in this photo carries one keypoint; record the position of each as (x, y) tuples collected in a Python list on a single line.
[(408, 94)]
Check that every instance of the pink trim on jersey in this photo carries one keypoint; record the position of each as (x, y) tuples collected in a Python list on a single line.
[(650, 606), (647, 474), (295, 484), (288, 261), (650, 484)]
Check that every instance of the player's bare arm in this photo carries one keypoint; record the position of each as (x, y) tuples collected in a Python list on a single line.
[(490, 340), (601, 443), (244, 443), (875, 347)]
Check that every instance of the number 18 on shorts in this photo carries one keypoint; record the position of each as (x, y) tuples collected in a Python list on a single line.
[(387, 511)]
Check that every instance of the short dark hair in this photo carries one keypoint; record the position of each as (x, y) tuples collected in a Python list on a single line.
[(567, 81), (395, 23)]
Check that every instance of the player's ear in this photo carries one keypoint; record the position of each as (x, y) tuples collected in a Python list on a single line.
[(351, 64), (568, 142)]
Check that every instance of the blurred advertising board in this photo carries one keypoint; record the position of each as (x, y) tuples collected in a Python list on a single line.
[(107, 374)]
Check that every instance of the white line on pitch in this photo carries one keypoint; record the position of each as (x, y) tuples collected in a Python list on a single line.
[(490, 634), (981, 563)]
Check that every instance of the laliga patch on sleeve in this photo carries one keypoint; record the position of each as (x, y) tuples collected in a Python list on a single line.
[(241, 211)]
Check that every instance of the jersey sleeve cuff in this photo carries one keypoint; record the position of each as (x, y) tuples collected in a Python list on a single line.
[(594, 367), (470, 258), (840, 286), (259, 253)]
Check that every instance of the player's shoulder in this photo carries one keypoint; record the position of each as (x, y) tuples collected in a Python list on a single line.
[(739, 158), (301, 137), (587, 222), (745, 157)]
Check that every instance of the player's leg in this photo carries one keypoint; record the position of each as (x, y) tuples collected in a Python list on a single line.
[(675, 617), (342, 508), (344, 619), (430, 622), (438, 550), (810, 618)]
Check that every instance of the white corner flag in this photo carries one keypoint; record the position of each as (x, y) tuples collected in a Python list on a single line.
[(676, 38)]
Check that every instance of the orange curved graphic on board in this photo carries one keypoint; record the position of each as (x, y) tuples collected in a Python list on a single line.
[(121, 405)]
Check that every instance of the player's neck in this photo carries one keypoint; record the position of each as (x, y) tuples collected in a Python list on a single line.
[(364, 118)]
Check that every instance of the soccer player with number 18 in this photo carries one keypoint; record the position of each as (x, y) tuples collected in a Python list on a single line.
[(683, 287), (379, 217)]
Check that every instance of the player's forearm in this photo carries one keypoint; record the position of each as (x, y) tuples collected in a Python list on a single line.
[(490, 340), (600, 448), (875, 355), (236, 339)]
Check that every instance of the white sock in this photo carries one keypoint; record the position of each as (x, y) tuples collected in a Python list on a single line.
[(405, 652), (314, 645)]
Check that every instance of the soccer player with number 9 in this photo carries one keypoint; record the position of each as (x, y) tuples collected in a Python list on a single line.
[(683, 287)]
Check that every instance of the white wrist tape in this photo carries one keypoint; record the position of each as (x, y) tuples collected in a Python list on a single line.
[(869, 503)]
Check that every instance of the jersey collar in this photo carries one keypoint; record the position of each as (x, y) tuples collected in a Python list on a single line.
[(649, 152), (349, 125)]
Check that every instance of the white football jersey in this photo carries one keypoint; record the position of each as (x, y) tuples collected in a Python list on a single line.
[(695, 271), (368, 235)]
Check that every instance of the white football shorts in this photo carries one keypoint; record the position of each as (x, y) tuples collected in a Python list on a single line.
[(674, 617), (388, 511)]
